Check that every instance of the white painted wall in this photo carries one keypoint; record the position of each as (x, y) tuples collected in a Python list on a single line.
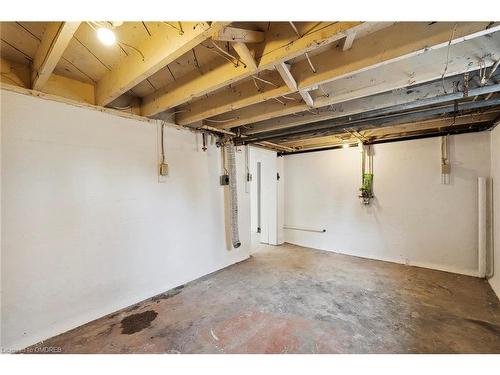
[(269, 195), (413, 219), (495, 174), (87, 228)]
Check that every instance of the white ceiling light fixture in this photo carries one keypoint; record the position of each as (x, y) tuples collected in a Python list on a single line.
[(106, 36)]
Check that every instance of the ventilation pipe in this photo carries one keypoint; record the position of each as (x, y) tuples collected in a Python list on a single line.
[(233, 195), (482, 230)]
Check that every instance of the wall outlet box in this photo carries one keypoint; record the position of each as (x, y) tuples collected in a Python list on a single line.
[(163, 169), (224, 179)]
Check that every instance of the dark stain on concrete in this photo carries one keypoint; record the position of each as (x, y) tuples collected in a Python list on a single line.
[(167, 295), (137, 322)]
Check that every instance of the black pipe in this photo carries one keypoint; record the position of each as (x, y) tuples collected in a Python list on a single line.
[(469, 129), (330, 127)]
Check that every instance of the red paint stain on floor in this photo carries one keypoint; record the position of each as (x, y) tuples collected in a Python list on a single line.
[(261, 332)]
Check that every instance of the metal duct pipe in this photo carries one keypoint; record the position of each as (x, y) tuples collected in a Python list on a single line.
[(233, 195)]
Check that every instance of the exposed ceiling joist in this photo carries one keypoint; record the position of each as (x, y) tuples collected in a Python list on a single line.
[(306, 96), (245, 55), (54, 41), (388, 45), (242, 95), (409, 94), (233, 34), (463, 57), (284, 71), (276, 49), (349, 40), (156, 52), (398, 42), (331, 127)]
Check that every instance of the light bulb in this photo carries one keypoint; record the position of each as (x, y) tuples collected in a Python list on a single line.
[(345, 145), (106, 36)]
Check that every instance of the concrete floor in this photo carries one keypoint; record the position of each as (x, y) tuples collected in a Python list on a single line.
[(290, 299)]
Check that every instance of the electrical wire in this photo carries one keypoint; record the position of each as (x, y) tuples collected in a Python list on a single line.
[(211, 49), (175, 112), (221, 121), (310, 63), (325, 94), (263, 80), (294, 29), (135, 49), (448, 57), (179, 29), (307, 55), (162, 144), (223, 150), (122, 108), (228, 54), (485, 80)]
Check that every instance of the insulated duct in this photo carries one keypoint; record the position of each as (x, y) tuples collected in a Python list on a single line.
[(233, 195)]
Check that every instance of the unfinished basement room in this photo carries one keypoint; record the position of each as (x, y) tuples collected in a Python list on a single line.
[(250, 187)]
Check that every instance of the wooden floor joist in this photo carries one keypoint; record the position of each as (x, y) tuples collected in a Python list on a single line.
[(420, 68), (54, 41), (156, 52), (276, 50), (351, 107), (389, 45)]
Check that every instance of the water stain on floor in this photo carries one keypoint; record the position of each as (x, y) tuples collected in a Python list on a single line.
[(137, 322)]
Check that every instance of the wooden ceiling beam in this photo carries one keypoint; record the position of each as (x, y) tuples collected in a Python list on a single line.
[(233, 34), (245, 55), (54, 41), (276, 49), (157, 51), (352, 107), (395, 43), (349, 40), (239, 96), (307, 98), (466, 56), (284, 71), (384, 46)]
